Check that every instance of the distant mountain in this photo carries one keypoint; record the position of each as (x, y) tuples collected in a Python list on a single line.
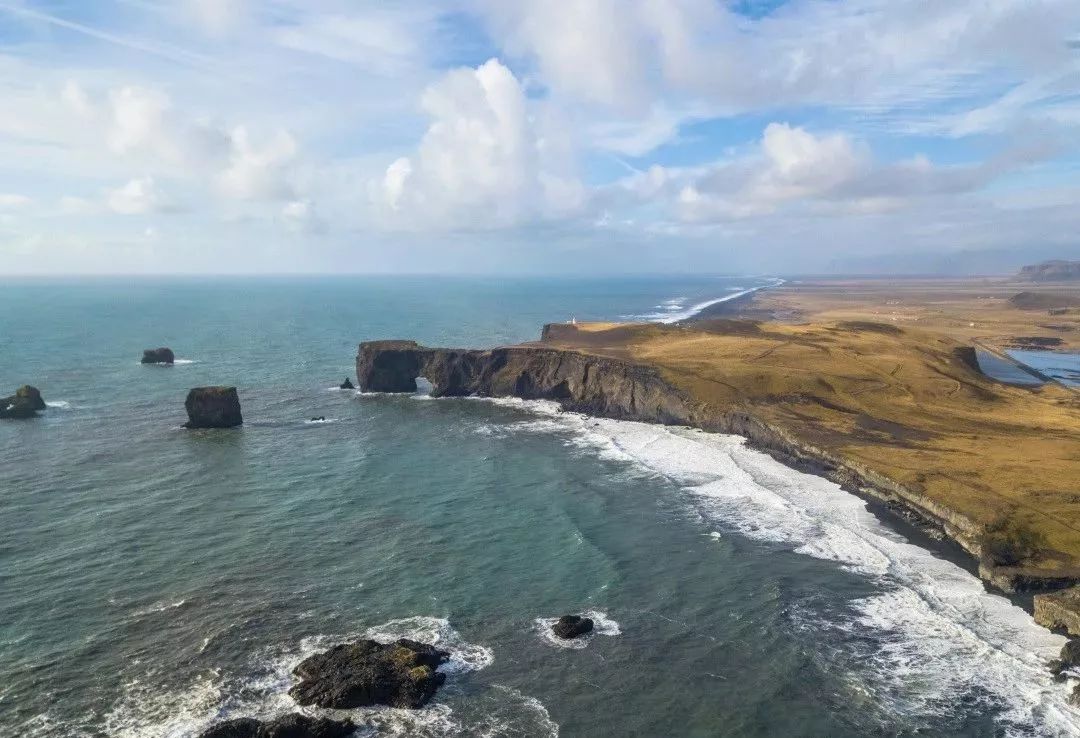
[(1052, 271)]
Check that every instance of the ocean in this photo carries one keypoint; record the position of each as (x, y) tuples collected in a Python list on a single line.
[(154, 580)]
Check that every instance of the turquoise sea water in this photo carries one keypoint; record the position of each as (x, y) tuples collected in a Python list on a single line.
[(153, 580)]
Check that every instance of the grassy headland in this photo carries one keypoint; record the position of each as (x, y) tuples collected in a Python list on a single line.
[(882, 376)]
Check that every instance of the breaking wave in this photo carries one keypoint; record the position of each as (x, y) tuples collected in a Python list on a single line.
[(146, 711), (936, 628)]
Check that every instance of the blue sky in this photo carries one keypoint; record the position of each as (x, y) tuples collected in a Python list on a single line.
[(239, 136)]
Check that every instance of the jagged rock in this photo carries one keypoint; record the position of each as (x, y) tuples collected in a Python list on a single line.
[(289, 726), (347, 384), (25, 403), (1059, 610), (213, 407), (572, 626), (161, 355), (1074, 698), (1070, 654), (399, 674)]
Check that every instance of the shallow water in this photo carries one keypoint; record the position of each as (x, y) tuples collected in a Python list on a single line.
[(1004, 371), (153, 580), (1062, 366)]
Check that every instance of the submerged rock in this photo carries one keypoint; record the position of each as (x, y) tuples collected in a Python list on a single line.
[(399, 674), (25, 403), (572, 626), (161, 355), (289, 726), (347, 384), (213, 407)]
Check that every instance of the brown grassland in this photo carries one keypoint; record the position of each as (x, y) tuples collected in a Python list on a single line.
[(881, 373)]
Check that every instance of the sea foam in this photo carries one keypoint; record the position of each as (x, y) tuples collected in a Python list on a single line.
[(603, 625), (146, 711), (942, 632)]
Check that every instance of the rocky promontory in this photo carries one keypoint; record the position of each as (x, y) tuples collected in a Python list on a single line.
[(213, 407), (25, 403), (581, 382), (832, 399)]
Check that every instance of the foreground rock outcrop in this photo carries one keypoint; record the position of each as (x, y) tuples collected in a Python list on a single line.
[(213, 407), (572, 626), (161, 355), (289, 726), (399, 674), (25, 403), (1059, 610)]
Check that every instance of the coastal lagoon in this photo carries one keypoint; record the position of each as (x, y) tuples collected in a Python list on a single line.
[(154, 580)]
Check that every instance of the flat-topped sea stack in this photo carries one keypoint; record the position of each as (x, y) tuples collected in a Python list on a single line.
[(213, 407), (25, 403), (161, 355), (872, 385)]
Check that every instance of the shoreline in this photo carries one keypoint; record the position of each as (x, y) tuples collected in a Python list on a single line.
[(595, 372)]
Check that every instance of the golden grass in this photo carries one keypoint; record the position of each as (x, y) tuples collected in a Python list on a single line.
[(875, 374)]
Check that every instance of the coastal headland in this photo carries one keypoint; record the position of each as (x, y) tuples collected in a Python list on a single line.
[(873, 384)]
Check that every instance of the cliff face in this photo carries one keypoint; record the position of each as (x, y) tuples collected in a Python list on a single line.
[(588, 384)]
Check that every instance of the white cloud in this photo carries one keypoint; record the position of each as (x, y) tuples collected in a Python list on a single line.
[(138, 197), (300, 216), (489, 157), (884, 57), (217, 17), (259, 171), (12, 201), (795, 170)]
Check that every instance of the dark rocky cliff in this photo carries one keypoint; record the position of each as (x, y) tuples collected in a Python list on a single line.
[(583, 383)]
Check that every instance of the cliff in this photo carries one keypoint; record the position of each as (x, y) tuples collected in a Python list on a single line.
[(620, 389), (888, 413), (594, 385)]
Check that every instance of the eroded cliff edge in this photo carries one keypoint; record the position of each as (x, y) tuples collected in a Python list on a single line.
[(623, 389)]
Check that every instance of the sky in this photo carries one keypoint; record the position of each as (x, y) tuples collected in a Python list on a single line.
[(535, 136)]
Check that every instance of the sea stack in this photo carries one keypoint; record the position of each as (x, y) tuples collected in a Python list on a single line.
[(25, 403), (347, 384), (213, 407), (572, 626), (163, 355)]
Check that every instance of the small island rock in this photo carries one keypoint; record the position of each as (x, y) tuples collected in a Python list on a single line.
[(25, 403), (572, 626), (213, 407), (347, 384), (161, 355), (289, 726), (401, 674)]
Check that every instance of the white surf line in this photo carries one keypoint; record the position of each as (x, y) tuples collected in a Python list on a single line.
[(695, 309)]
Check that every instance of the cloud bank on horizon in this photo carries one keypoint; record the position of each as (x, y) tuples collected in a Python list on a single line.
[(534, 136)]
